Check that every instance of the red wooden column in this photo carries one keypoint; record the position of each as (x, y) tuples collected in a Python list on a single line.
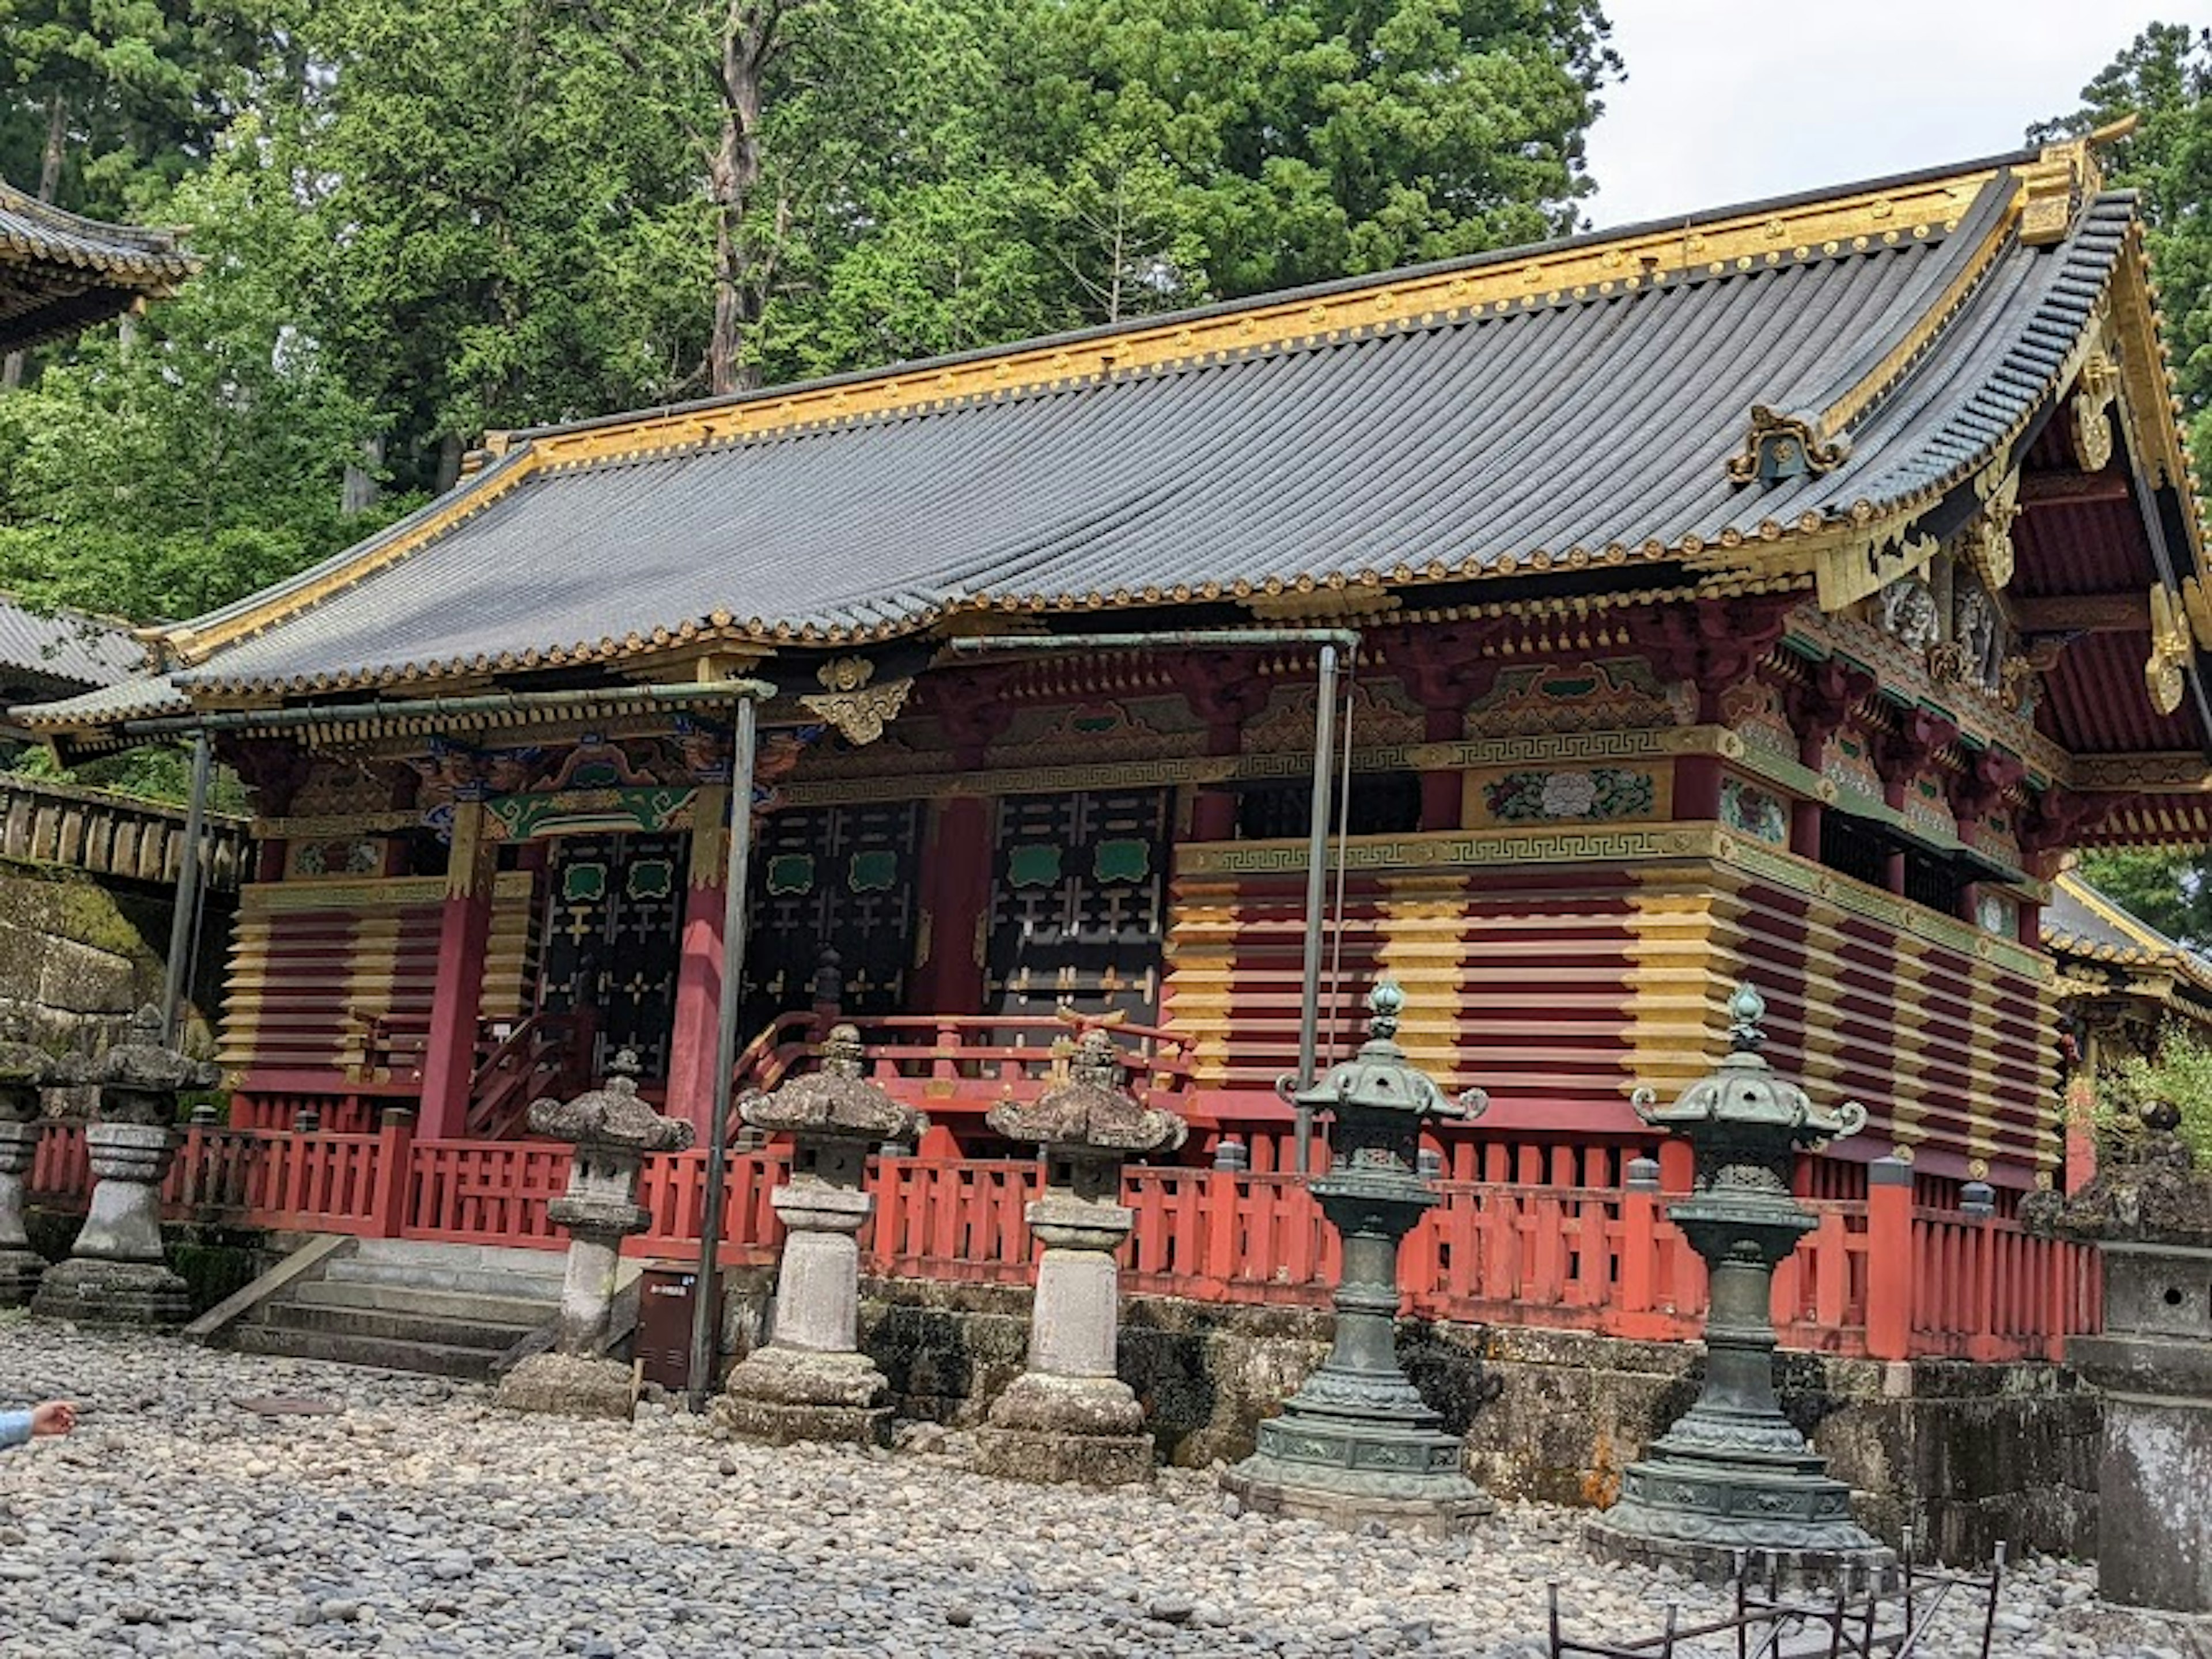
[(463, 926), (1891, 1270), (1225, 690), (1445, 668), (1818, 706), (691, 1081), (1899, 755), (956, 892)]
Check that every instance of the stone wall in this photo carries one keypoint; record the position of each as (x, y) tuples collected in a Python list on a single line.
[(1967, 1454), (77, 956)]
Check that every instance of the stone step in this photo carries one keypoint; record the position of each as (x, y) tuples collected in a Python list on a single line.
[(377, 1297), (413, 1329), (495, 1257), (473, 1281), (421, 1357)]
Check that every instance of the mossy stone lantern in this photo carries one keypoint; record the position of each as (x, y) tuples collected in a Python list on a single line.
[(1357, 1443), (1732, 1478)]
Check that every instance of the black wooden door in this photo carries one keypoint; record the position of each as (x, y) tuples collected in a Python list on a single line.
[(613, 921), (834, 878), (1079, 903)]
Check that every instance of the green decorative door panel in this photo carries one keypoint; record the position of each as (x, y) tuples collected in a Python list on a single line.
[(1079, 903), (839, 877)]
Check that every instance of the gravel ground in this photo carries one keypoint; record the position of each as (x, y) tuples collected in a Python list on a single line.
[(418, 1520)]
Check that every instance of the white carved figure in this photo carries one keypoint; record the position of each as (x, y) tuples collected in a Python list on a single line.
[(1909, 612)]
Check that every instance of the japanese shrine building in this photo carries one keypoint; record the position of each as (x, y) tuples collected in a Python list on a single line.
[(1781, 592)]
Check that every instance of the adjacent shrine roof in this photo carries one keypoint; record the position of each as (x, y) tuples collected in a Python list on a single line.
[(59, 273), (66, 648), (2081, 926), (1777, 389)]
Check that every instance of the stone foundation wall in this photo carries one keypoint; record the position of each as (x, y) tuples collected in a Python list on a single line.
[(77, 956), (1966, 1453)]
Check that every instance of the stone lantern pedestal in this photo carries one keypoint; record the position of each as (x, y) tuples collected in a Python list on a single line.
[(1069, 1417), (613, 1132), (2149, 1214), (1357, 1443), (117, 1272), (24, 1070), (1733, 1481), (809, 1381)]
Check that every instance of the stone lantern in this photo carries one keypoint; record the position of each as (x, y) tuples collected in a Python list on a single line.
[(1733, 1478), (809, 1381), (25, 1071), (1068, 1416), (1357, 1444), (2148, 1211), (614, 1132), (116, 1273)]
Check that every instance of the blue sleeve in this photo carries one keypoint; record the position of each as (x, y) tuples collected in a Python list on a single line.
[(14, 1428)]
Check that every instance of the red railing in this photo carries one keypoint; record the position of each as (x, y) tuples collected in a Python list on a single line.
[(977, 1059), (1877, 1277)]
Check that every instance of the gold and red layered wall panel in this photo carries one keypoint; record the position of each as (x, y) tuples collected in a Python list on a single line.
[(1559, 969), (313, 963)]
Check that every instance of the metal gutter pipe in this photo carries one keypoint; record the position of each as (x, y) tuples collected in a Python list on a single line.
[(1331, 640), (188, 875), (706, 1306), (490, 703)]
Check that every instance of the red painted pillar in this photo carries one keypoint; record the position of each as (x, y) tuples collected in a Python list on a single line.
[(699, 969), (1805, 816), (956, 892), (449, 1059), (1697, 788), (1890, 1266), (1442, 788)]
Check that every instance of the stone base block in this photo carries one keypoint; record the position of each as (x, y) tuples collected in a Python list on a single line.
[(782, 1395), (778, 1423), (563, 1385), (20, 1273), (96, 1292), (1439, 1517), (1085, 1459), (1852, 1570)]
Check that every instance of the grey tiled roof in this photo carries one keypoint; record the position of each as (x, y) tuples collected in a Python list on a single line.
[(64, 271), (2082, 921), (1585, 423), (66, 645), (137, 698)]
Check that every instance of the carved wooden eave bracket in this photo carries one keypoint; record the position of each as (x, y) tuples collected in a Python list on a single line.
[(2089, 412), (1987, 541)]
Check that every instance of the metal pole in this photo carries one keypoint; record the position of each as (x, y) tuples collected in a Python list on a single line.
[(188, 889), (706, 1311), (1317, 896)]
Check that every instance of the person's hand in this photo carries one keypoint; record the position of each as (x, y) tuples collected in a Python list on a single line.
[(55, 1416)]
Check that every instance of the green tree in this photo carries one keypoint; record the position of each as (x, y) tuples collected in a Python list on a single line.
[(198, 460)]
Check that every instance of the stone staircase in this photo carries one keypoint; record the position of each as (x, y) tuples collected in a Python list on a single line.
[(441, 1310)]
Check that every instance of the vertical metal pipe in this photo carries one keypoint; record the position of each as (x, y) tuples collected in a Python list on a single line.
[(1316, 895), (188, 888), (706, 1308)]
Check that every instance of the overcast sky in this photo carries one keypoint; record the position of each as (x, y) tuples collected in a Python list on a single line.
[(1728, 103)]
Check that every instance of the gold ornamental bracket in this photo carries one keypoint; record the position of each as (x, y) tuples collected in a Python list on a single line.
[(1864, 560), (1780, 445), (848, 701), (2053, 187), (2089, 412), (1988, 541), (2172, 646)]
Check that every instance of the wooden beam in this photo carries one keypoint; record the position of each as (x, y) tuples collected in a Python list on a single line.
[(2063, 489), (2082, 613)]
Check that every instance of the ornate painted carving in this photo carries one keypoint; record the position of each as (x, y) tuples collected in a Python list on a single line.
[(1988, 540), (848, 701), (1909, 614), (1381, 716), (352, 856), (1609, 694), (1712, 644), (1600, 793), (1755, 812)]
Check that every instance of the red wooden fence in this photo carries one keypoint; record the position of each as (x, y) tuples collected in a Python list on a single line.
[(1878, 1277)]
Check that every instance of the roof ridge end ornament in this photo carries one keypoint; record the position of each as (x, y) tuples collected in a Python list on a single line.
[(1781, 446), (2063, 176)]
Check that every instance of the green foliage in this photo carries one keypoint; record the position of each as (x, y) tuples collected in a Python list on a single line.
[(157, 771), (422, 220), (2181, 1073), (2167, 891)]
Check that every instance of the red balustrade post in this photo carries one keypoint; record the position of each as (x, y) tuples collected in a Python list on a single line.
[(1639, 1252), (395, 1159), (1892, 1271)]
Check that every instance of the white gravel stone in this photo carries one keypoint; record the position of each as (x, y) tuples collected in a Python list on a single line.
[(420, 1523)]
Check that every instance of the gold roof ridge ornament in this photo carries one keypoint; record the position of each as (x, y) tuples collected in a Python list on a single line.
[(1780, 445), (858, 709)]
